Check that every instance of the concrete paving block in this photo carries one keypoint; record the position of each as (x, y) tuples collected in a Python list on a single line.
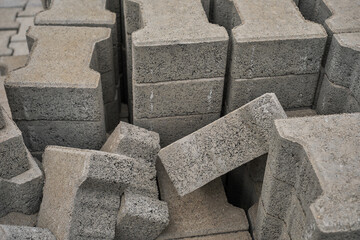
[(171, 129), (224, 236), (20, 48), (32, 8), (261, 48), (8, 18), (339, 16), (334, 99), (82, 192), (11, 63), (19, 219), (4, 42), (201, 213), (14, 155), (90, 13), (8, 232), (133, 141), (178, 98), (22, 193), (3, 102), (112, 114), (141, 218), (239, 137), (25, 23), (327, 181), (293, 91), (183, 52), (42, 98), (80, 134), (13, 3), (302, 112)]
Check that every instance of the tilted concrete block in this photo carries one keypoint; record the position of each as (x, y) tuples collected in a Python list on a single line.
[(21, 179), (171, 129), (8, 232), (3, 102), (82, 191), (134, 142), (239, 137), (317, 159), (44, 91), (8, 18), (201, 213), (340, 89), (141, 218)]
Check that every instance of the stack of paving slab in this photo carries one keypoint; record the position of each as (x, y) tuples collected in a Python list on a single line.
[(312, 180), (93, 14), (108, 194), (57, 97), (190, 168), (176, 64), (273, 49), (21, 179), (340, 81), (16, 17)]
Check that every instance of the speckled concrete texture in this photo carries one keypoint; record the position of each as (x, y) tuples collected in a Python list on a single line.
[(82, 191), (8, 232), (221, 146), (311, 183), (201, 213), (141, 218)]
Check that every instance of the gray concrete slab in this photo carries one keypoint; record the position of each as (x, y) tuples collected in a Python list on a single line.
[(19, 219), (221, 146), (11, 63), (32, 8), (82, 191), (13, 3), (321, 170), (4, 43), (19, 48), (25, 23), (201, 213), (3, 99), (9, 232)]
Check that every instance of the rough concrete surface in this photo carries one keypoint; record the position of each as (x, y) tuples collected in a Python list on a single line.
[(141, 218), (221, 146), (8, 232), (19, 219), (201, 213), (320, 171), (82, 191)]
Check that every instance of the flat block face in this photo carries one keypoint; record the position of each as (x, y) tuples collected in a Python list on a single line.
[(8, 18), (13, 154), (134, 142), (336, 209), (177, 36), (293, 91), (47, 91), (12, 3), (80, 134), (201, 213), (141, 217), (269, 33), (171, 129), (178, 98), (77, 13), (82, 191), (345, 16), (221, 146), (21, 232)]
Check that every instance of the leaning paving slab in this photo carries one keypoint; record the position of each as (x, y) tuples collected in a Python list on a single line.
[(141, 218), (82, 191), (201, 213), (221, 146), (312, 183), (21, 179), (8, 232)]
